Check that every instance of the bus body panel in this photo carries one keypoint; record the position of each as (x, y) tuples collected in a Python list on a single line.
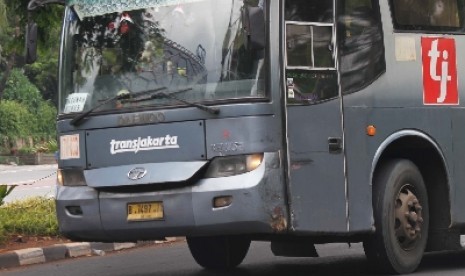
[(74, 226), (457, 190), (394, 103), (258, 207), (229, 136), (456, 147), (302, 188), (359, 156), (157, 173), (317, 186), (174, 142)]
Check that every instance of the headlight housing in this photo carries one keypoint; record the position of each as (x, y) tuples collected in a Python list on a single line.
[(233, 165), (71, 177)]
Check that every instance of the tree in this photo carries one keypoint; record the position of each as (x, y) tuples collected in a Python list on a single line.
[(3, 26), (44, 74), (13, 16), (20, 89), (3, 21), (19, 112)]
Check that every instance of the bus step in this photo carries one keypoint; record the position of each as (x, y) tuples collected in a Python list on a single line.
[(293, 249)]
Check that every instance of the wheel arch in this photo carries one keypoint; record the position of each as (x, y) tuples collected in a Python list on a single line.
[(427, 155)]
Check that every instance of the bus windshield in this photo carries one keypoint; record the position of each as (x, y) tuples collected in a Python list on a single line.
[(200, 50)]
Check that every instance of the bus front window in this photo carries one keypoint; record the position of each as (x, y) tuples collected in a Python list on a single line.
[(201, 45)]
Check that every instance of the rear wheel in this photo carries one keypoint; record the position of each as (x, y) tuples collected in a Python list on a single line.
[(400, 206), (220, 253)]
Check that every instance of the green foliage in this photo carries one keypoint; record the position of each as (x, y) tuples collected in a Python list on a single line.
[(46, 147), (26, 150), (3, 20), (20, 108), (45, 125), (9, 33), (4, 38), (20, 89), (34, 216), (15, 120), (5, 190), (13, 19), (3, 234), (48, 19), (44, 74), (50, 146), (3, 149)]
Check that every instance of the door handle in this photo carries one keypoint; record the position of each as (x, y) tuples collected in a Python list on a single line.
[(335, 145)]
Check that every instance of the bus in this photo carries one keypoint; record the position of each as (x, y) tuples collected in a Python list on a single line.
[(298, 122)]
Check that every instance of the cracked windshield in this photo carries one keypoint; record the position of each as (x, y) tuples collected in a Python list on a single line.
[(200, 51)]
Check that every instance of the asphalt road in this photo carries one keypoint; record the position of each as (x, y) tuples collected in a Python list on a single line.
[(175, 260), (30, 180)]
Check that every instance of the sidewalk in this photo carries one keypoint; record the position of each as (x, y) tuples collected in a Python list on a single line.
[(4, 167), (56, 252)]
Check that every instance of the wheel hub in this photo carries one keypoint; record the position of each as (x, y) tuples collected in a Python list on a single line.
[(408, 218)]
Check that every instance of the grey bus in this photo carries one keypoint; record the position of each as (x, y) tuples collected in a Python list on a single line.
[(297, 122)]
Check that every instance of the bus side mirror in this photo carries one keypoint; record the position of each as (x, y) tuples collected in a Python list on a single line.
[(253, 20), (31, 42)]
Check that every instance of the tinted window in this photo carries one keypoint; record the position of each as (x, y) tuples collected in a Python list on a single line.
[(361, 45), (309, 11), (310, 36), (433, 15)]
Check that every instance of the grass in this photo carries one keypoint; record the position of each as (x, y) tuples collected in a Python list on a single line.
[(34, 216)]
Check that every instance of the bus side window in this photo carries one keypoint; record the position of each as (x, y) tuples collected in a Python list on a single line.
[(309, 11), (310, 57), (434, 15), (309, 46), (361, 44)]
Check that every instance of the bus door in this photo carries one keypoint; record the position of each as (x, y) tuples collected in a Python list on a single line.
[(314, 118)]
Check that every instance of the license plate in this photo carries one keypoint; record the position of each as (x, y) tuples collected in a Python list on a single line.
[(145, 211)]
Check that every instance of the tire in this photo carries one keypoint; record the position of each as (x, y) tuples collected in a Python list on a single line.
[(218, 253), (400, 207)]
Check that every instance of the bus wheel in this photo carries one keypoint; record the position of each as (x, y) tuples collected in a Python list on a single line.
[(219, 253), (400, 206)]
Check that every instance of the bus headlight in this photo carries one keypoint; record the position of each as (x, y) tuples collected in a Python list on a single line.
[(71, 177), (233, 165)]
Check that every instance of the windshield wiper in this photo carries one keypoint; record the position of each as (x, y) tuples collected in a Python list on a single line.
[(132, 97), (122, 95), (170, 95)]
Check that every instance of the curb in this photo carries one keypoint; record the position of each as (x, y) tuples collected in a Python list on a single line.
[(56, 252)]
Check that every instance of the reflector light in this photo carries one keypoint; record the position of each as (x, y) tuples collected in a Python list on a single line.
[(60, 177), (371, 130), (222, 201)]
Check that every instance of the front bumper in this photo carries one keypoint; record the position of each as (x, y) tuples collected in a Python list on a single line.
[(258, 207)]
